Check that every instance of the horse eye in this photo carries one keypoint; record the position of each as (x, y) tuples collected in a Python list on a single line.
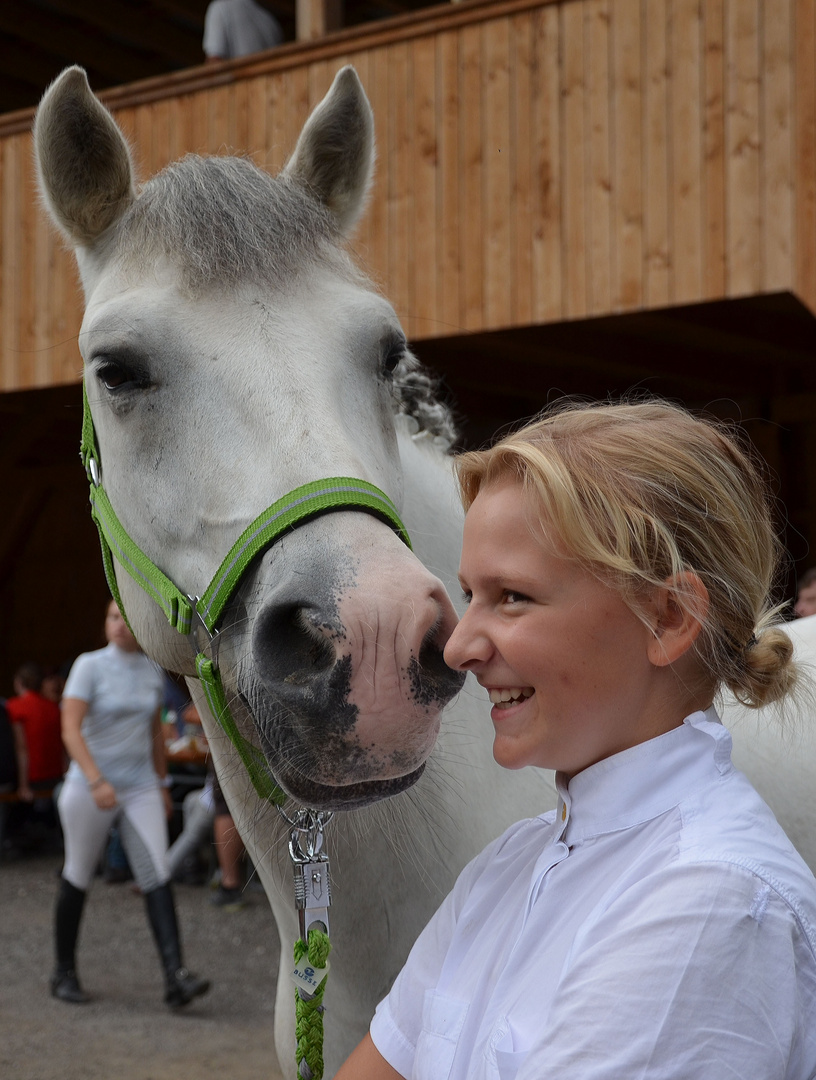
[(116, 377), (393, 357)]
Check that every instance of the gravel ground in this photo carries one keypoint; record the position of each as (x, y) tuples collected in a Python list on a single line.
[(127, 1033)]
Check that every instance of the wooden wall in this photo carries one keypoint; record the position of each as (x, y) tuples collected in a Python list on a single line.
[(538, 161)]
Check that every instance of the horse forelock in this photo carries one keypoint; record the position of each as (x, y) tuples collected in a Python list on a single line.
[(223, 221)]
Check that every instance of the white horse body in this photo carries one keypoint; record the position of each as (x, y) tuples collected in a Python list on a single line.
[(776, 749), (213, 400)]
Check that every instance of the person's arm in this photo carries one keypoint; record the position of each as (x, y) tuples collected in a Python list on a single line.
[(24, 792), (367, 1063), (160, 761), (73, 712)]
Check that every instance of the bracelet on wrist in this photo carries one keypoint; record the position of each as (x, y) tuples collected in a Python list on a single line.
[(94, 784), (166, 781)]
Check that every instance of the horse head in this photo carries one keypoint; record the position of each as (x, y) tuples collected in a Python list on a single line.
[(233, 352)]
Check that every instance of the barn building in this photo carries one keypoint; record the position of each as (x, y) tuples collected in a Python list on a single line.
[(573, 196)]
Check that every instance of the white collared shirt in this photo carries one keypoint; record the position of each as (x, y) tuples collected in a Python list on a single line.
[(658, 925)]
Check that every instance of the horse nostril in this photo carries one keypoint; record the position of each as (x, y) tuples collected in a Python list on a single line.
[(288, 645), (432, 680)]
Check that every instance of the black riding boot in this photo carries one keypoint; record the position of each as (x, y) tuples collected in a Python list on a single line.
[(181, 986), (64, 983)]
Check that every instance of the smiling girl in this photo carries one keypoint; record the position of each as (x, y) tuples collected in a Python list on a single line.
[(617, 562)]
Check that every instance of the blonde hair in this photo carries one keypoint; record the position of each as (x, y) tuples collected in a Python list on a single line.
[(642, 492)]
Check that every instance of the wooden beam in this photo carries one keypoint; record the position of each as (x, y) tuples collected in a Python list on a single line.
[(316, 18)]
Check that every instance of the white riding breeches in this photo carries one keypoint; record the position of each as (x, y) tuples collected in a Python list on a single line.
[(142, 823)]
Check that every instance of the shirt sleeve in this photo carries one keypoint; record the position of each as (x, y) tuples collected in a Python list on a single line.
[(699, 973), (80, 681), (215, 43)]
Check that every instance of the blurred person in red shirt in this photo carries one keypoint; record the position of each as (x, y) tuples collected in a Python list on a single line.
[(36, 724)]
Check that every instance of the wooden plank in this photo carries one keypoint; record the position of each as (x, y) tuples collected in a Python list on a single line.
[(27, 269), (320, 77), (142, 147), (378, 232), (269, 124), (574, 165), (599, 175), (657, 252), (199, 117), (472, 194), (238, 135), (713, 165), (742, 148), (11, 254), (627, 98), (777, 146), (180, 127), (498, 169), (297, 108), (521, 219), (218, 120), (160, 143), (399, 280), (258, 109), (687, 153), (546, 158), (423, 265), (805, 171), (42, 265), (450, 215)]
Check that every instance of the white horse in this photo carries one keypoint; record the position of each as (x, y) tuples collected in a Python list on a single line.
[(232, 354)]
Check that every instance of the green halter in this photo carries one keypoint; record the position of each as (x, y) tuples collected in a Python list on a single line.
[(186, 613)]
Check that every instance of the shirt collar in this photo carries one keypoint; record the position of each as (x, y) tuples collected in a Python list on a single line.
[(644, 781)]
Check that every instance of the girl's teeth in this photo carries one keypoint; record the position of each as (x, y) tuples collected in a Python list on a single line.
[(498, 697)]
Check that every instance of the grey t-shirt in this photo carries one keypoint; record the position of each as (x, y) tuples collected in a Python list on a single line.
[(239, 28), (123, 690)]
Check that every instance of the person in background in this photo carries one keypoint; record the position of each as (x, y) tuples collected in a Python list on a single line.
[(111, 726), (229, 849), (36, 725), (806, 595), (238, 28), (617, 563)]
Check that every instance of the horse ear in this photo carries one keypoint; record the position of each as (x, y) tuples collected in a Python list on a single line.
[(334, 155), (84, 167)]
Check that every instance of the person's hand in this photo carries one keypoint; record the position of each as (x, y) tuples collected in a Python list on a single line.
[(25, 794), (104, 796)]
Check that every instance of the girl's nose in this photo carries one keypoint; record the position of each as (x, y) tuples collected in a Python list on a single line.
[(467, 646)]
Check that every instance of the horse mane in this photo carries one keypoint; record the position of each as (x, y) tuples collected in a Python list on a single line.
[(223, 221)]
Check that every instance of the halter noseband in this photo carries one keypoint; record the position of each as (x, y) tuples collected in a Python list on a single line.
[(190, 614)]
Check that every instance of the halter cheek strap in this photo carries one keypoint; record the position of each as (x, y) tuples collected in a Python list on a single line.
[(189, 614)]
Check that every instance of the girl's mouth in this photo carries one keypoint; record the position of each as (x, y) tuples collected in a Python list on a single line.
[(506, 697)]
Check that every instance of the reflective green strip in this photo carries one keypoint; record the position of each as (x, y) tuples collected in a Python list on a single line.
[(157, 585), (253, 759), (309, 500)]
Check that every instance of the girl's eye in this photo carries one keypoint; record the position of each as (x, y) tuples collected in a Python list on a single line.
[(511, 597), (466, 596)]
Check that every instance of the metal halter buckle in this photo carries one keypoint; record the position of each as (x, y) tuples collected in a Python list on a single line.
[(310, 865)]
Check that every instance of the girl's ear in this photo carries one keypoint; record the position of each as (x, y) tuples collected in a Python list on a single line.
[(679, 608)]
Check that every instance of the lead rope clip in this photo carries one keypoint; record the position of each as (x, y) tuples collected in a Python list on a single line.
[(310, 865)]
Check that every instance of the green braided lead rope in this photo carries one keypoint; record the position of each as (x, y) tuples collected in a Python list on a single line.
[(309, 1010)]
